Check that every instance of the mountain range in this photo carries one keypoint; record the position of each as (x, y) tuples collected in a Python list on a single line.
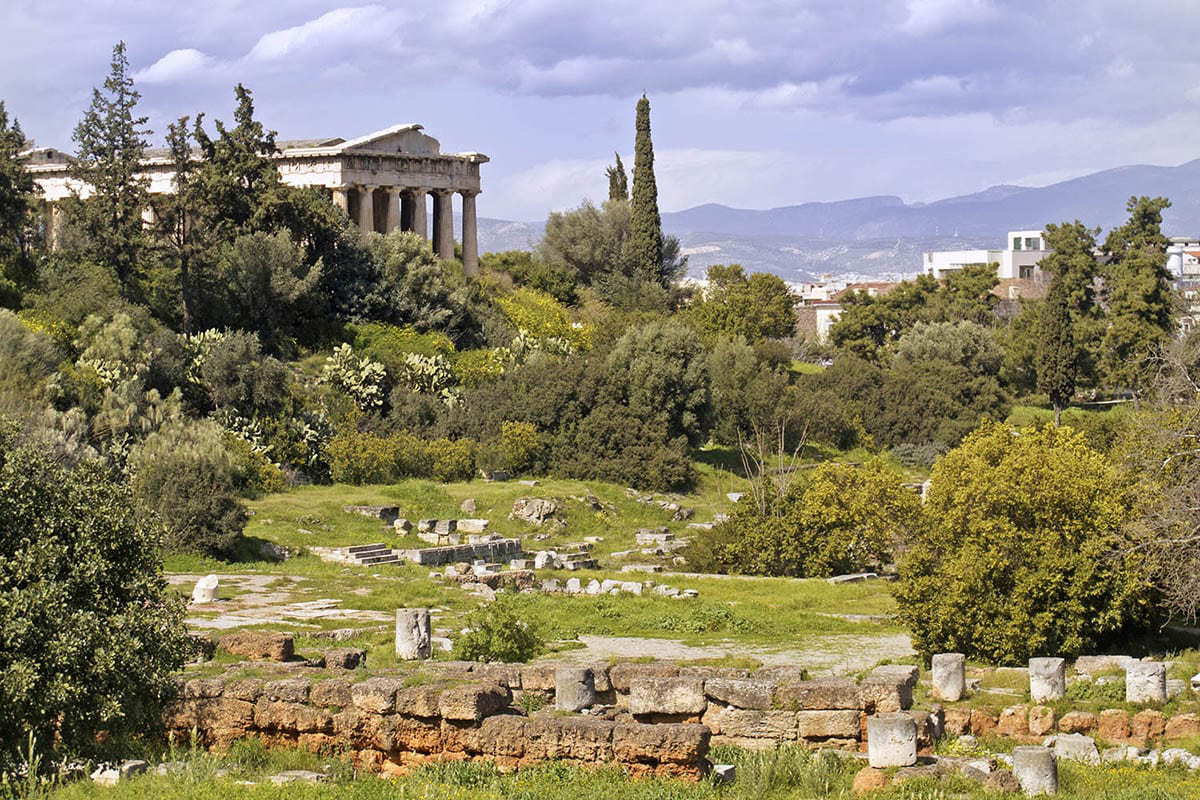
[(883, 235)]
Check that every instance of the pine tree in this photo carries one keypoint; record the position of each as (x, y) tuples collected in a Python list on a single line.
[(644, 247), (1057, 354), (237, 178), (1072, 263), (618, 182), (111, 143), (17, 194), (179, 220), (1140, 301)]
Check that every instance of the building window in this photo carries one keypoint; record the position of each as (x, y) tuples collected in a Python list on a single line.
[(1016, 243), (1026, 272)]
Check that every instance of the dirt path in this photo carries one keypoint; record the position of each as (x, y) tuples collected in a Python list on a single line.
[(835, 654)]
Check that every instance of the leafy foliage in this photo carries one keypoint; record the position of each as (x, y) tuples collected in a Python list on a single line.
[(757, 306), (496, 632), (1020, 556)]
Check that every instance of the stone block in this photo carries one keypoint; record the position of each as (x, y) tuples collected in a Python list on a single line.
[(376, 695), (957, 721), (1147, 725), (949, 676), (666, 696), (1183, 726), (413, 634), (753, 724), (506, 675), (1036, 770), (259, 645), (1077, 722), (887, 692), (244, 689), (682, 743), (1146, 682), (333, 693), (408, 734), (501, 736), (206, 589), (1075, 747), (1090, 665), (844, 724), (198, 688), (982, 722), (472, 703), (586, 739), (1113, 725), (1041, 720), (291, 690), (419, 701), (1047, 679), (622, 675), (1014, 721), (274, 715), (891, 741), (823, 694), (742, 693), (345, 658), (538, 677), (574, 689)]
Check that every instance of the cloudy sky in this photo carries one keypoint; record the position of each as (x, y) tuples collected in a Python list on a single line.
[(756, 103)]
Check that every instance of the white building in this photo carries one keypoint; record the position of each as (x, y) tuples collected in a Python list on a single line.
[(1183, 258), (1017, 262)]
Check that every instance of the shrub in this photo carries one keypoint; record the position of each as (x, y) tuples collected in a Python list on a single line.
[(360, 378), (255, 475), (187, 476), (27, 360), (90, 636), (1021, 555), (389, 344), (496, 632), (615, 444), (452, 460), (362, 458), (231, 371), (475, 367), (840, 519), (515, 450), (540, 317)]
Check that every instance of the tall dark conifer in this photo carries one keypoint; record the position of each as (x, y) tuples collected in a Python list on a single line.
[(644, 247), (110, 145), (179, 217), (1057, 355), (17, 193), (618, 182)]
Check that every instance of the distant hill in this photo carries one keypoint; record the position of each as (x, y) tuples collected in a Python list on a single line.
[(880, 235)]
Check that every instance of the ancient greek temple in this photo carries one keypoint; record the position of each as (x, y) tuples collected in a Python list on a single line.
[(394, 178)]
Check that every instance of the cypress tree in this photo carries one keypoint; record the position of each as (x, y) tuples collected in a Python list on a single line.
[(618, 182), (644, 247), (111, 143), (1056, 352), (17, 192)]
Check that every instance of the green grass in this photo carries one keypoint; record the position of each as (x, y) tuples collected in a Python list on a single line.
[(789, 773)]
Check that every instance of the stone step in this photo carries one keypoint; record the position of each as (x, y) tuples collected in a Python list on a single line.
[(366, 548), (385, 558)]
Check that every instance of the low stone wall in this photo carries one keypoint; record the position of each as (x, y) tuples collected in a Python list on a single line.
[(498, 550), (652, 718), (1033, 723)]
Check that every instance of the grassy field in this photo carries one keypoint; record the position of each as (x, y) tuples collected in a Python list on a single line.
[(785, 774)]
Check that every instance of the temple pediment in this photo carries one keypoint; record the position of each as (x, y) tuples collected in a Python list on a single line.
[(396, 139)]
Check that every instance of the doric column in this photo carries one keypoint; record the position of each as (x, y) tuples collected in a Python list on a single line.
[(149, 217), (443, 223), (420, 218), (393, 209), (470, 234), (341, 198), (366, 209), (54, 223)]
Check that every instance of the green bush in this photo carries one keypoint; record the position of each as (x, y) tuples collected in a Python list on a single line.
[(840, 519), (90, 636), (475, 367), (517, 449), (496, 632), (452, 460), (361, 458), (1021, 556), (187, 476)]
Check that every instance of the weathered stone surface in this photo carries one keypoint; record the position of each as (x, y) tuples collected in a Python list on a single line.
[(843, 724), (1075, 747), (982, 722), (206, 589), (958, 721), (1036, 770), (472, 703), (203, 688), (869, 779), (506, 675), (413, 634), (207, 714), (1147, 725), (1090, 665), (732, 673), (622, 675), (376, 695), (753, 724), (1077, 722), (1014, 721), (1041, 720), (891, 740), (824, 694), (1146, 682), (538, 677), (742, 693), (681, 743), (883, 694), (398, 733), (345, 658), (259, 645), (1002, 781), (666, 696), (1047, 679), (1113, 725), (291, 690), (533, 510), (419, 701), (1183, 726), (574, 688), (331, 694), (291, 717), (949, 676)]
